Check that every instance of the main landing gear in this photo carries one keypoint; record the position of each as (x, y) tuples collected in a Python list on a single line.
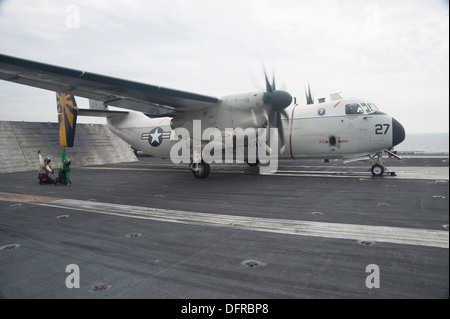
[(378, 167), (200, 170), (255, 164)]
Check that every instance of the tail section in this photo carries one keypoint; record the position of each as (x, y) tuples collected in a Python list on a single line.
[(67, 118)]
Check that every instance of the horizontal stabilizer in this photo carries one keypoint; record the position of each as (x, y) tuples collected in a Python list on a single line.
[(100, 113), (97, 105)]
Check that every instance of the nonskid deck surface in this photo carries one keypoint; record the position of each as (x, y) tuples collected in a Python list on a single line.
[(149, 229)]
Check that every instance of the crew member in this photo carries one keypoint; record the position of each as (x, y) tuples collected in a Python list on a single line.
[(64, 171), (44, 170)]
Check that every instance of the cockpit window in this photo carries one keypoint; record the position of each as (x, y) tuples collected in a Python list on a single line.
[(353, 108), (373, 107), (360, 108)]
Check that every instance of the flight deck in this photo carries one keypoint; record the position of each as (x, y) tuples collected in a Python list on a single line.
[(148, 229)]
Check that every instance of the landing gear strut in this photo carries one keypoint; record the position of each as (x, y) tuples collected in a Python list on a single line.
[(378, 168), (200, 170)]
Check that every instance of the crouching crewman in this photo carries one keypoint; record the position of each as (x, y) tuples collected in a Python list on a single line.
[(44, 170)]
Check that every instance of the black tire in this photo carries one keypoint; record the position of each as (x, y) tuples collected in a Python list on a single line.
[(203, 170), (377, 170), (253, 164)]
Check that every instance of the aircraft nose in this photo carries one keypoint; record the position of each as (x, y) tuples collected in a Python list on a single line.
[(398, 132)]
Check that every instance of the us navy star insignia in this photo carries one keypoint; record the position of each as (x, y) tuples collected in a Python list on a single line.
[(155, 136)]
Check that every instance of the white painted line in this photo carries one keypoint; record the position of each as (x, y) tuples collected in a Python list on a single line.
[(396, 235), (422, 172), (412, 172)]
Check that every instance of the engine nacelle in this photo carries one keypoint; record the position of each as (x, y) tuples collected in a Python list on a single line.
[(234, 111)]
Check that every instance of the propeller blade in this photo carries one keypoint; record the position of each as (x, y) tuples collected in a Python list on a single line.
[(275, 122), (309, 97), (272, 118), (275, 104), (280, 128), (271, 124), (278, 121), (255, 121), (268, 149), (268, 86)]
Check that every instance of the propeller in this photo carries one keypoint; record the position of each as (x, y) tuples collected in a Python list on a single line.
[(309, 97), (276, 101)]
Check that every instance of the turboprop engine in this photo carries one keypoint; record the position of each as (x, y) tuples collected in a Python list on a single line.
[(247, 110)]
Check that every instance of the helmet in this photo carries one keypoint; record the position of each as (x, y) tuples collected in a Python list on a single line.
[(67, 161), (47, 160)]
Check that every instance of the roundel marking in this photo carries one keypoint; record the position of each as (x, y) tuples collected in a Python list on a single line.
[(155, 136)]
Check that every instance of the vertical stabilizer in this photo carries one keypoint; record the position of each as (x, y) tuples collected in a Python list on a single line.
[(67, 118)]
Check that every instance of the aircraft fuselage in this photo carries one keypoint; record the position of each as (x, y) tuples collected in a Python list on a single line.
[(339, 129)]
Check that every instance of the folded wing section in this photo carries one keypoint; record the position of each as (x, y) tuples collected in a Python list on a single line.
[(149, 99)]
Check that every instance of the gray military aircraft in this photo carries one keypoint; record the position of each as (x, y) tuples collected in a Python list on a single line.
[(347, 129)]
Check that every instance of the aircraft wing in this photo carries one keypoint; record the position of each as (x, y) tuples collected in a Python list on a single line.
[(149, 99)]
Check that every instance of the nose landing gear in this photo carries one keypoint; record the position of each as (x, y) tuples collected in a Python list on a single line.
[(378, 167), (377, 170)]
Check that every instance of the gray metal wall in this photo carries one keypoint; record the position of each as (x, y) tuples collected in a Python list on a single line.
[(94, 144)]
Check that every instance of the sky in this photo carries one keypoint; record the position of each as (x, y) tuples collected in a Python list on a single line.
[(392, 53)]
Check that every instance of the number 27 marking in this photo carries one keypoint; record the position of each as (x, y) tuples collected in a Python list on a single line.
[(379, 128)]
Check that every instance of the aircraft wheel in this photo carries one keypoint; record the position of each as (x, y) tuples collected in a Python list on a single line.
[(253, 164), (377, 170), (202, 171)]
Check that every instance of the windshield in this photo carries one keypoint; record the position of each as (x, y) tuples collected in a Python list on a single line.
[(373, 107), (353, 108), (360, 108)]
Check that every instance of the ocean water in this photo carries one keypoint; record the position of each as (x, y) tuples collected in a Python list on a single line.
[(425, 143)]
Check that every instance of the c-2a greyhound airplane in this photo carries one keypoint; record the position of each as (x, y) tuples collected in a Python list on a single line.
[(341, 129)]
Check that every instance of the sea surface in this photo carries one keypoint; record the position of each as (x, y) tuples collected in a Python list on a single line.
[(433, 143)]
